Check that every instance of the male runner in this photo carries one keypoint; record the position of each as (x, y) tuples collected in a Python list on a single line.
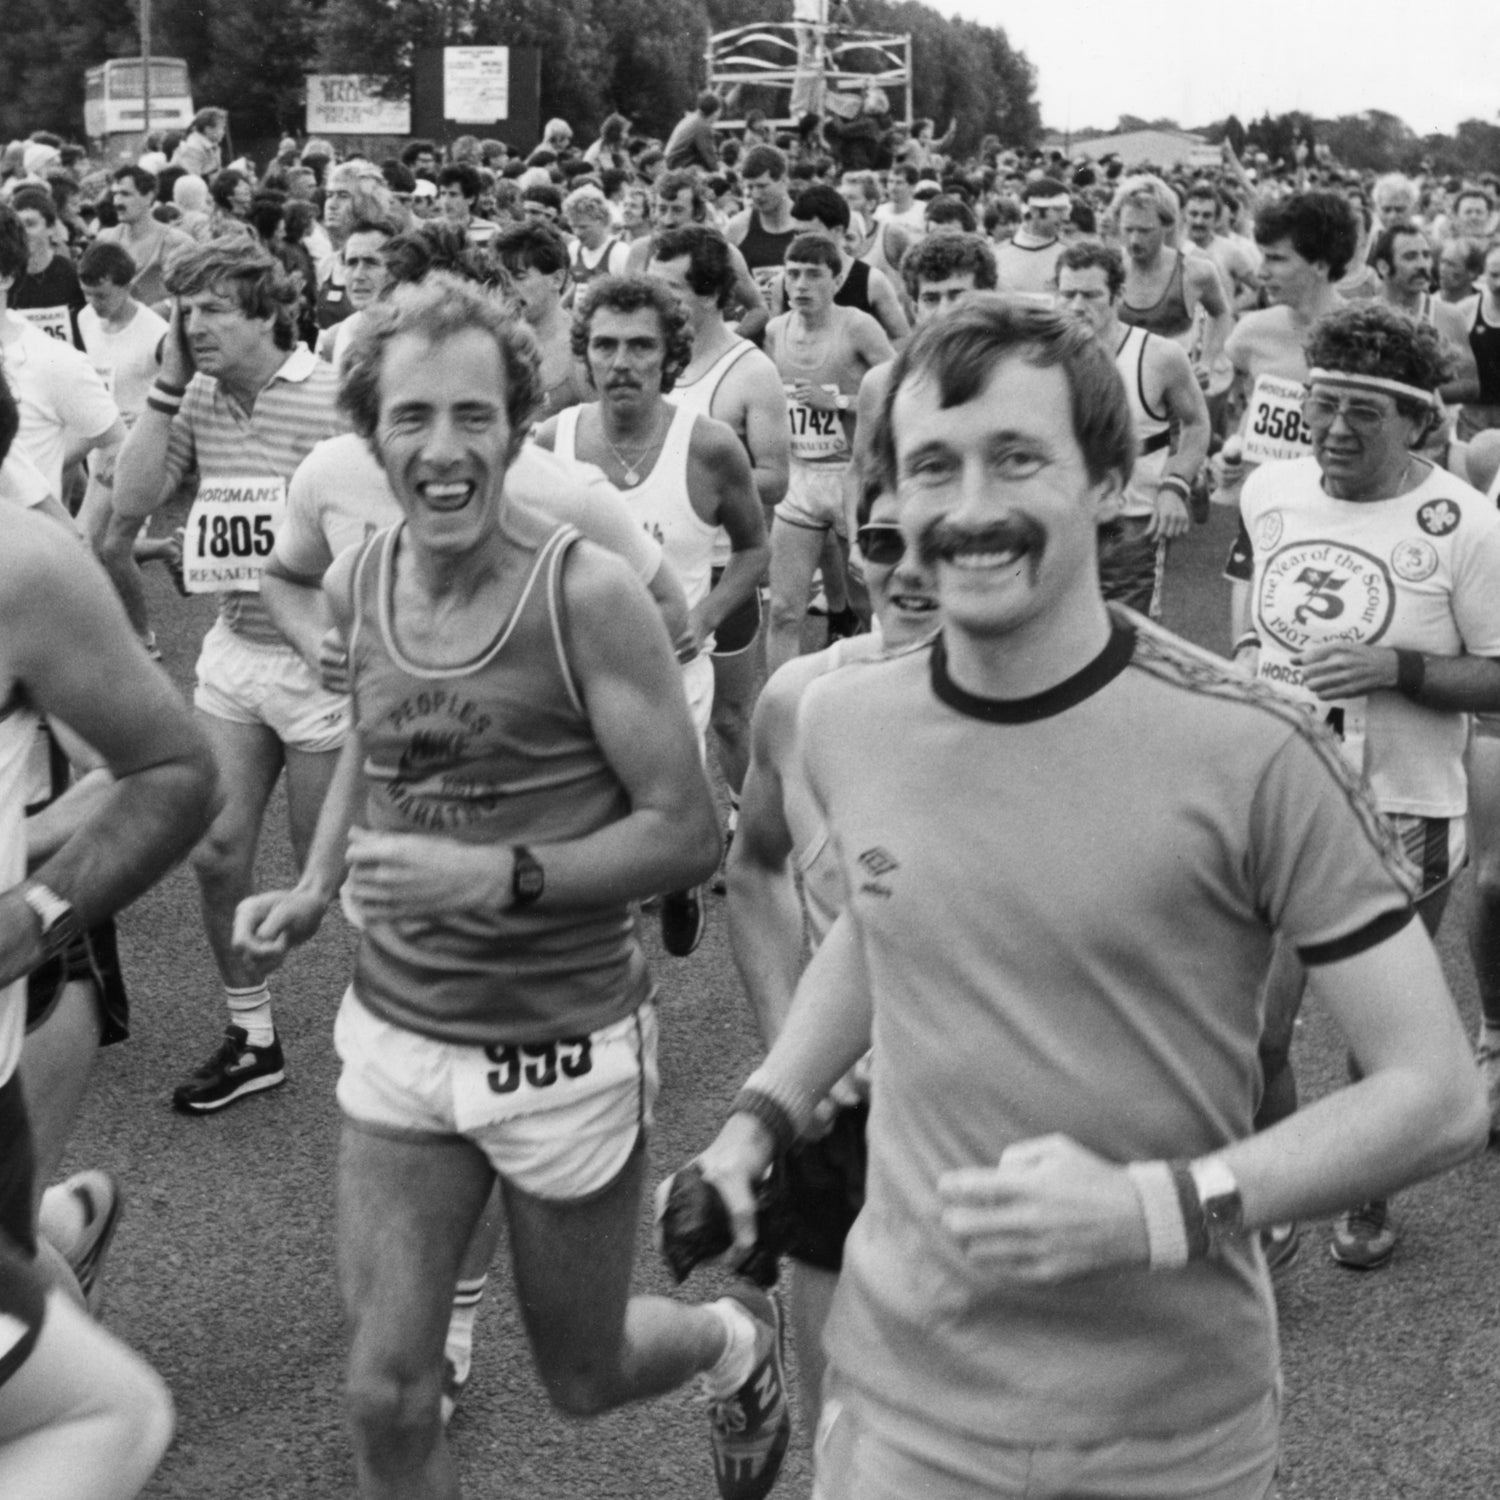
[(46, 292), (684, 477), (1049, 1289), (1165, 287), (822, 353), (522, 768), (764, 231), (459, 185), (534, 257), (1027, 262), (730, 380), (80, 1415), (784, 847), (678, 202), (1171, 424), (364, 275), (239, 399), (1306, 241), (123, 341), (901, 206), (1237, 262), (1373, 604), (151, 243), (596, 252)]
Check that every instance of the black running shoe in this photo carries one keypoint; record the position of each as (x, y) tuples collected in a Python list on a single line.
[(683, 920), (235, 1070)]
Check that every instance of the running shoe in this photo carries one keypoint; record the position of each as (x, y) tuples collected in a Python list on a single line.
[(101, 1200), (235, 1069), (1488, 1058), (683, 920), (1280, 1244), (1363, 1238), (750, 1430)]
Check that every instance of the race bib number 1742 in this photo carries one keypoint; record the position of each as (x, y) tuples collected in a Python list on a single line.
[(230, 532)]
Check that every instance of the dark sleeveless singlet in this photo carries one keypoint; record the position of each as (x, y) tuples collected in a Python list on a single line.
[(1168, 315), (855, 291), (764, 251), (1484, 340)]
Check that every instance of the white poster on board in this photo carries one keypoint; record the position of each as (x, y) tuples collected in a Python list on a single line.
[(476, 84), (351, 104)]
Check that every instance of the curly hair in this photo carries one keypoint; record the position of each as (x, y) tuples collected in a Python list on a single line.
[(1374, 338), (440, 307), (1321, 226), (244, 272), (532, 246), (628, 294), (940, 257), (435, 246)]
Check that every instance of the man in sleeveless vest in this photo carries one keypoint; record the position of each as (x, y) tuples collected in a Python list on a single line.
[(1051, 1287), (684, 477), (79, 1412), (522, 767), (730, 380), (1171, 424)]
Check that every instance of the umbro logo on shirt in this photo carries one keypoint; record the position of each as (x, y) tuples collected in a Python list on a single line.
[(875, 863)]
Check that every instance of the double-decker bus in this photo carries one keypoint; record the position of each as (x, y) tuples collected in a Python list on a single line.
[(114, 113)]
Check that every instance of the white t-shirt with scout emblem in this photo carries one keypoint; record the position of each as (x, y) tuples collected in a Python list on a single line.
[(1419, 572)]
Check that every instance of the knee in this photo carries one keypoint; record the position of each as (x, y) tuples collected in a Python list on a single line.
[(220, 856), (393, 1408), (139, 1419), (786, 612)]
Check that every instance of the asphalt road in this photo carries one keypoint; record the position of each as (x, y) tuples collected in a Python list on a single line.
[(222, 1271)]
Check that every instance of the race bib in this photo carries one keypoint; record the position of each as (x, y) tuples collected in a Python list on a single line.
[(53, 321), (505, 1081), (816, 435), (1274, 428), (230, 532), (1344, 718)]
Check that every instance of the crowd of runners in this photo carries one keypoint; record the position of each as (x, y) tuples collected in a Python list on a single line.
[(521, 481)]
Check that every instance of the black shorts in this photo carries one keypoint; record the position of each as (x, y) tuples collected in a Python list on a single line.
[(94, 955), (737, 631), (1130, 564), (23, 1292), (821, 1184)]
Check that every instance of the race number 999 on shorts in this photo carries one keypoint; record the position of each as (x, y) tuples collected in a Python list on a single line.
[(230, 532)]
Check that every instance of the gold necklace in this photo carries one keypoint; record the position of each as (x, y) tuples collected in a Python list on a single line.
[(632, 475)]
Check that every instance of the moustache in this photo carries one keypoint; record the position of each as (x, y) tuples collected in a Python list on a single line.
[(1017, 533)]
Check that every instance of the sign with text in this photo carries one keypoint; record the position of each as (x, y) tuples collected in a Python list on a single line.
[(352, 104), (476, 84)]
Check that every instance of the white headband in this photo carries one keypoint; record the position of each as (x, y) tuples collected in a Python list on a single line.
[(1377, 383), (1060, 201)]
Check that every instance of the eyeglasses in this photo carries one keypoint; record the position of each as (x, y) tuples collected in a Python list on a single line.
[(1364, 417), (884, 546)]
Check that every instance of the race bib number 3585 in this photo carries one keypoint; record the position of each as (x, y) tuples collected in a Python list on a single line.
[(230, 532), (1274, 428)]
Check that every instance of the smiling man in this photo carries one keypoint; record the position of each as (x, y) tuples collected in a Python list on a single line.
[(239, 399), (1050, 1289), (1373, 603), (522, 768)]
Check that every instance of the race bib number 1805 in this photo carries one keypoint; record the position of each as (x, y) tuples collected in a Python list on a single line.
[(230, 532)]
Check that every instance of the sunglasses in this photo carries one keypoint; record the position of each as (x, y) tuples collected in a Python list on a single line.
[(884, 546)]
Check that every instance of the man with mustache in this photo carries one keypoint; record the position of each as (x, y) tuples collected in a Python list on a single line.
[(684, 476), (1053, 1287)]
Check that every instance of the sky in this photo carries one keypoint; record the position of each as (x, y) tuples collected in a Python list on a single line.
[(1195, 61)]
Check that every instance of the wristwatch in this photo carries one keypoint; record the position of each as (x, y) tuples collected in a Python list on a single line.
[(526, 879), (1219, 1195), (59, 922)]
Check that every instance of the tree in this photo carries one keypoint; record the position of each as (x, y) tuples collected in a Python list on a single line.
[(49, 44)]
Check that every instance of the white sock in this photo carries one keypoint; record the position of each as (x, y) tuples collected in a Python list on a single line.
[(459, 1346), (251, 1009), (732, 1368)]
